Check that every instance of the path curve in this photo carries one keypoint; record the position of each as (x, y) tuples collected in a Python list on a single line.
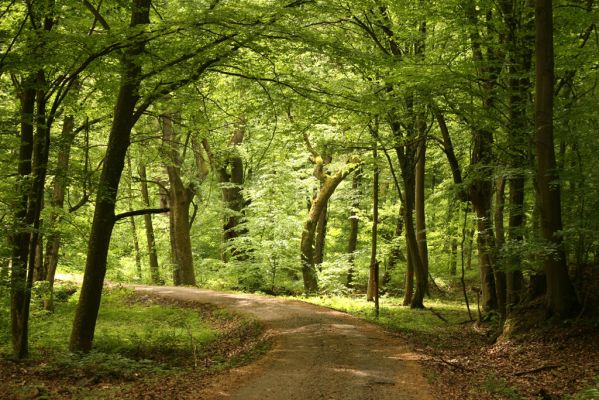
[(317, 353)]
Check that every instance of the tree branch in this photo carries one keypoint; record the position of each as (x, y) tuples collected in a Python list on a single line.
[(96, 14), (141, 212)]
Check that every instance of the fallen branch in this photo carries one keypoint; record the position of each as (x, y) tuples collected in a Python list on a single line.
[(442, 318), (532, 371), (453, 365)]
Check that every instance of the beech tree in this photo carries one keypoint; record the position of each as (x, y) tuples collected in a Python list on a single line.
[(560, 298)]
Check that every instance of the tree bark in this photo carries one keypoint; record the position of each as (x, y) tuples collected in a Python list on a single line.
[(395, 255), (499, 270), (352, 243), (374, 265), (329, 184), (419, 199), (321, 232), (20, 290), (103, 222), (232, 179), (409, 283), (150, 237), (406, 156), (138, 266), (560, 298), (179, 201), (518, 68)]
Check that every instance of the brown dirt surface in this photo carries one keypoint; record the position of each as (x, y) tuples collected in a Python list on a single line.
[(317, 353), (542, 362)]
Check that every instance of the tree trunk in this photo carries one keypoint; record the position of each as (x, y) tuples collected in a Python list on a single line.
[(352, 243), (321, 232), (138, 266), (57, 204), (514, 277), (406, 156), (560, 297), (395, 255), (26, 249), (373, 279), (150, 238), (468, 248), (327, 188), (232, 179), (39, 272), (419, 201), (480, 195), (499, 270), (409, 284), (20, 290), (179, 201), (519, 65), (453, 267), (374, 265), (103, 222)]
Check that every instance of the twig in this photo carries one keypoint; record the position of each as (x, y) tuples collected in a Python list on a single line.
[(532, 371), (454, 365), (442, 318)]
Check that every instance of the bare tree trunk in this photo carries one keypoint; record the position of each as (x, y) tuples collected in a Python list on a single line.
[(373, 283), (481, 193), (20, 290), (419, 200), (374, 265), (57, 203), (232, 178), (329, 184), (560, 297), (179, 201), (104, 217), (132, 220), (150, 238), (39, 273), (321, 232), (499, 270), (409, 284), (519, 65), (395, 255), (453, 268), (352, 244), (514, 277)]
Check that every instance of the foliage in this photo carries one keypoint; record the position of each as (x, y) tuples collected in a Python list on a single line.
[(395, 317), (589, 393), (499, 388)]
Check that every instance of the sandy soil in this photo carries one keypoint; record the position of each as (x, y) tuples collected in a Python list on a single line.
[(318, 353)]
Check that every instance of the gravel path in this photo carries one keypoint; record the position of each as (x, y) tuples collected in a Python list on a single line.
[(318, 353)]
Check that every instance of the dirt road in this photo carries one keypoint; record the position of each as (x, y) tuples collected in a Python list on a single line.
[(318, 353)]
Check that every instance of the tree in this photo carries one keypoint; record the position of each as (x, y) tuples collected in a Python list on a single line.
[(150, 237), (329, 183), (104, 215), (352, 243), (179, 197), (560, 297), (231, 176)]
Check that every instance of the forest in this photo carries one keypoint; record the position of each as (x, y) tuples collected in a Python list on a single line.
[(419, 159)]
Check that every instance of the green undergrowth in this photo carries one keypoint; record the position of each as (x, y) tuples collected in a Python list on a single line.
[(435, 321), (137, 337)]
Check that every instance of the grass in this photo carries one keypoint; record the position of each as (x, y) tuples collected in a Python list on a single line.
[(139, 340), (124, 327), (395, 317)]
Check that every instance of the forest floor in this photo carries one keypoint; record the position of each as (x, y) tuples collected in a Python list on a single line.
[(319, 353), (545, 363)]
